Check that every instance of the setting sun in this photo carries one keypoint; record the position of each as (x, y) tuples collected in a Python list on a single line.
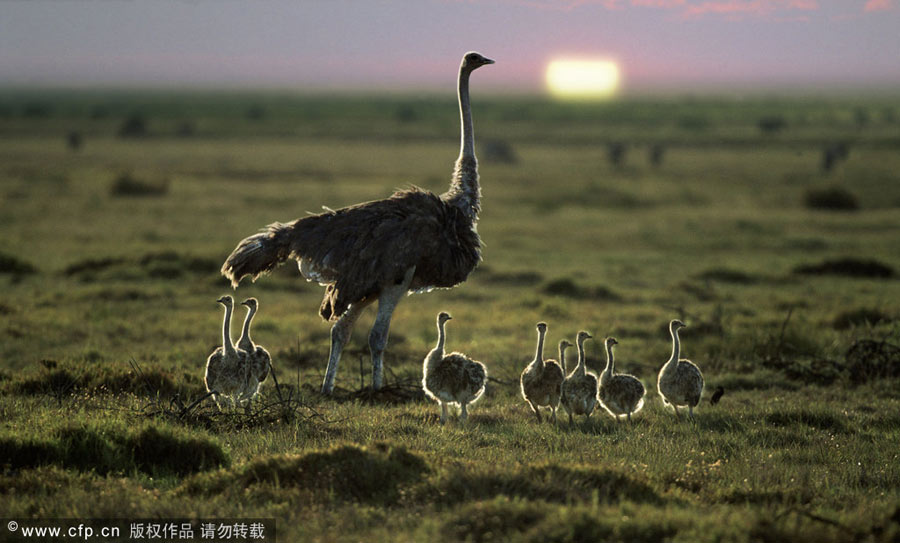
[(582, 78)]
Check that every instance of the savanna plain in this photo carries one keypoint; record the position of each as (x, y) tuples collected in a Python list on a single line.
[(771, 227)]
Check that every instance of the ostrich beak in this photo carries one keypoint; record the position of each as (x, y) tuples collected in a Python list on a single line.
[(488, 60)]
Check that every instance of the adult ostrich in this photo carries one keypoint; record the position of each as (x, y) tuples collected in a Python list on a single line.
[(380, 250)]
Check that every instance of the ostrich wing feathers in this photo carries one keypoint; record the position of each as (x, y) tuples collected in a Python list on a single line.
[(361, 249)]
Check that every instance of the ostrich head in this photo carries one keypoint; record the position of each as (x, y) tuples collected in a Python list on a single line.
[(676, 325), (542, 327), (251, 303), (583, 335), (564, 343), (610, 341), (473, 60), (226, 300), (443, 317)]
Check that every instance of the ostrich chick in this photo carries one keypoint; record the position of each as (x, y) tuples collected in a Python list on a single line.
[(452, 378), (260, 360), (227, 369), (579, 391), (680, 382), (620, 394), (541, 381)]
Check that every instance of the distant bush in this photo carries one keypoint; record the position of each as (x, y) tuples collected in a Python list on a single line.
[(256, 113), (127, 185), (185, 129), (74, 140), (727, 275), (134, 126), (499, 151), (405, 113), (570, 289), (14, 265), (615, 153), (656, 154), (772, 124), (36, 110), (831, 199), (848, 267)]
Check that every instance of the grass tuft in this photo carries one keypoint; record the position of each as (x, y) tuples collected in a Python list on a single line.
[(849, 267)]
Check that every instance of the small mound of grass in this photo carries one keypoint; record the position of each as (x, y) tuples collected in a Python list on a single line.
[(158, 452), (570, 289), (551, 482), (826, 422), (583, 524), (860, 317), (21, 453), (831, 199), (869, 360), (161, 452), (128, 185), (350, 473), (848, 267), (91, 265), (14, 265), (492, 520), (725, 275), (61, 379)]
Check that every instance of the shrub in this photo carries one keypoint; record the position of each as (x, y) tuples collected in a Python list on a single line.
[(848, 267), (14, 265), (772, 124), (831, 199), (499, 151), (134, 126), (127, 185)]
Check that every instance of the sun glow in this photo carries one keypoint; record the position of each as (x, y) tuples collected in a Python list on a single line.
[(583, 79)]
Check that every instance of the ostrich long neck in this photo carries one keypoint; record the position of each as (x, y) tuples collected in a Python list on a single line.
[(676, 346), (562, 358), (226, 332), (464, 189), (610, 361), (245, 333), (581, 368), (441, 337), (539, 352)]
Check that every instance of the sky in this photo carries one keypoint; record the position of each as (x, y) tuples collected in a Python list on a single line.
[(416, 44)]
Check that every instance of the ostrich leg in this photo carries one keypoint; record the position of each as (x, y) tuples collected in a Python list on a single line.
[(340, 334), (387, 302)]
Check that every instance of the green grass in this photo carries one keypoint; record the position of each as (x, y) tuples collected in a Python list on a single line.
[(109, 313)]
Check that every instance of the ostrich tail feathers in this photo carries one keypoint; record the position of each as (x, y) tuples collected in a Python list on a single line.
[(258, 254)]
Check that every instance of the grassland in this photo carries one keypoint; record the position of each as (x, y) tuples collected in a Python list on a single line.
[(109, 263)]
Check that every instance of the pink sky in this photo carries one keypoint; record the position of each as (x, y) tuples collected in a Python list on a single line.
[(675, 44)]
